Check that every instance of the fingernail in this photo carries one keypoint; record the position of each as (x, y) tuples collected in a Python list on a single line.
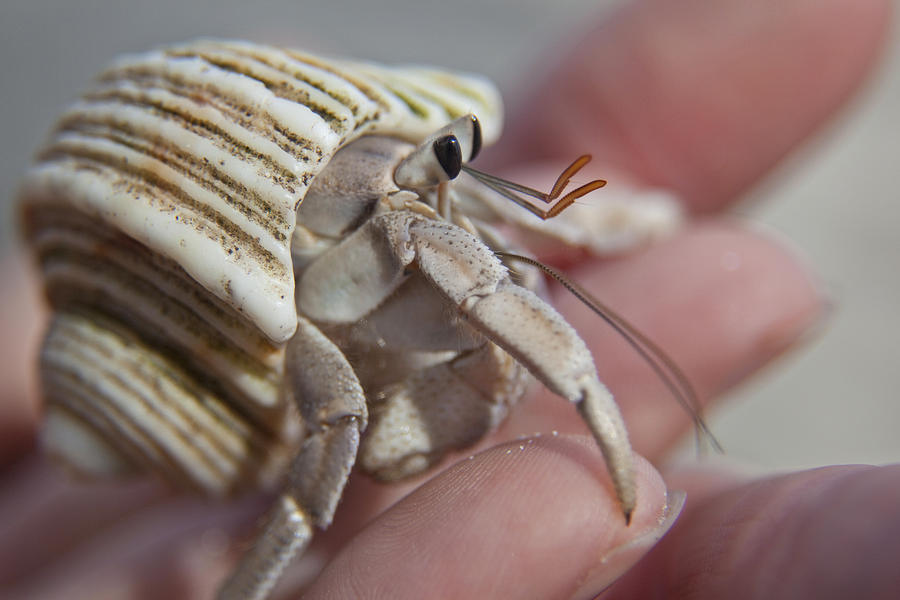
[(617, 561)]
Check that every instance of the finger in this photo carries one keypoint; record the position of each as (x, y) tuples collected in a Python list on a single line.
[(827, 533), (700, 97), (719, 300), (532, 518), (175, 551), (20, 326), (62, 539), (44, 514)]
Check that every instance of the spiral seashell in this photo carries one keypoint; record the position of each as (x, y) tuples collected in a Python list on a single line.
[(162, 211)]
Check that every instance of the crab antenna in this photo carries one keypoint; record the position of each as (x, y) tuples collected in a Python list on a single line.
[(518, 193), (663, 366)]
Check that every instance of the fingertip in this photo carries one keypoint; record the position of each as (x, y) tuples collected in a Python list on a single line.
[(538, 514), (616, 562)]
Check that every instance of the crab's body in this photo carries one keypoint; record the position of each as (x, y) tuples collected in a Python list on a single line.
[(245, 296)]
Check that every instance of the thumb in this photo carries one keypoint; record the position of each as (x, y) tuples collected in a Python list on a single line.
[(534, 518)]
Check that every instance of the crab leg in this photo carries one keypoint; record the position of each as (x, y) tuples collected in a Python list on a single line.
[(470, 277), (333, 407), (517, 320), (521, 323)]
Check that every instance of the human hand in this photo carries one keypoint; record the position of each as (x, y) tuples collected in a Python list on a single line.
[(702, 98), (699, 97)]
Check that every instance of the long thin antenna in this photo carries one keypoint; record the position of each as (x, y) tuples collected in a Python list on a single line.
[(664, 367), (508, 189)]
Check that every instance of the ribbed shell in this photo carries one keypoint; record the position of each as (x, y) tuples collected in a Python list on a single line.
[(162, 211), (203, 153)]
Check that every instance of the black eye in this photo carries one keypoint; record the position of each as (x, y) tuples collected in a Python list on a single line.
[(449, 155), (476, 137)]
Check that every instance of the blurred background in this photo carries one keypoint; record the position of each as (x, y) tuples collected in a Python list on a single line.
[(834, 401)]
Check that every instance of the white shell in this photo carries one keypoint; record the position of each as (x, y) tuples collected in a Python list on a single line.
[(203, 153), (162, 212)]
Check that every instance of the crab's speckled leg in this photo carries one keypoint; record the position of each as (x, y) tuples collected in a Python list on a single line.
[(333, 407), (536, 335), (376, 259), (517, 320)]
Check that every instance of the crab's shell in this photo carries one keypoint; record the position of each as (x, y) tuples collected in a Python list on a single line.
[(162, 211)]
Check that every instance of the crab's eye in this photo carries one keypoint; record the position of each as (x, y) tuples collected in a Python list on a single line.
[(449, 155), (441, 157)]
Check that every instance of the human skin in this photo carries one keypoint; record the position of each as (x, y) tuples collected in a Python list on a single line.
[(696, 96)]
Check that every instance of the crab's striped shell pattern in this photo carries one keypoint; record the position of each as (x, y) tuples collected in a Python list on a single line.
[(162, 211)]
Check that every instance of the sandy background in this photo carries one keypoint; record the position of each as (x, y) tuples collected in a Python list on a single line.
[(836, 401)]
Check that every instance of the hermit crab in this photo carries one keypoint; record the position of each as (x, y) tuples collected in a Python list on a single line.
[(266, 267)]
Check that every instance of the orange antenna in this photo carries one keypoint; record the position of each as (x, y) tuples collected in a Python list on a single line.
[(518, 193)]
